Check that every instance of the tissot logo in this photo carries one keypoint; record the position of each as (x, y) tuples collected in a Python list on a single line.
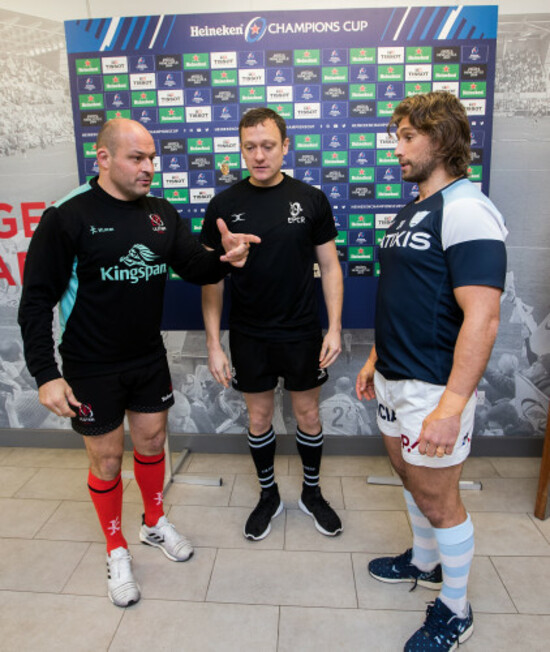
[(198, 114), (279, 94), (223, 59), (114, 64), (170, 98), (226, 144), (418, 72), (175, 179), (249, 77), (383, 220), (142, 81), (384, 140), (201, 195), (448, 87), (304, 111), (391, 55)]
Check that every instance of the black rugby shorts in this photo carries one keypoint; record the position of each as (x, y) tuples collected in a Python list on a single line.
[(258, 364), (106, 398)]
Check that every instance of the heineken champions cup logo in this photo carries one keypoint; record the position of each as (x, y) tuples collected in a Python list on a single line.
[(255, 29)]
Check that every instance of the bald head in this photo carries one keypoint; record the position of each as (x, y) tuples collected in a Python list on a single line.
[(113, 131), (125, 156)]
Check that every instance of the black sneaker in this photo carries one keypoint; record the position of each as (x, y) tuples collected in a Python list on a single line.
[(442, 630), (270, 505), (326, 519), (400, 569)]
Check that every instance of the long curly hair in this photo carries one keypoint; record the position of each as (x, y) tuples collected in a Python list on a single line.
[(442, 116)]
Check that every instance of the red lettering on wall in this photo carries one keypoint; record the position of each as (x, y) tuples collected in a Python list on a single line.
[(5, 272), (30, 221), (10, 222)]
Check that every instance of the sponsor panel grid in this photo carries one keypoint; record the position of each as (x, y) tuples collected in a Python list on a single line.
[(335, 76)]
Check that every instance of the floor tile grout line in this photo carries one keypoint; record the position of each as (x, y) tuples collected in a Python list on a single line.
[(536, 523), (278, 637), (210, 576), (503, 584), (351, 609), (116, 629), (82, 556), (59, 505)]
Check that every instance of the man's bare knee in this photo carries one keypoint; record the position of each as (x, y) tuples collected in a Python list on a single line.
[(106, 467), (309, 422), (441, 511), (152, 443), (259, 424), (260, 411)]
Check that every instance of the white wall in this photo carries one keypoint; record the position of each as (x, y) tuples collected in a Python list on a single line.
[(73, 9)]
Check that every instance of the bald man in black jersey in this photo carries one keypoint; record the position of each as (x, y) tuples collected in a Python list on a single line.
[(102, 253), (274, 324)]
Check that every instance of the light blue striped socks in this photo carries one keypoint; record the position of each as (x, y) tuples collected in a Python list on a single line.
[(425, 553), (456, 550)]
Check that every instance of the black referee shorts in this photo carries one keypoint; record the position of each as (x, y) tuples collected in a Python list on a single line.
[(258, 364), (105, 399)]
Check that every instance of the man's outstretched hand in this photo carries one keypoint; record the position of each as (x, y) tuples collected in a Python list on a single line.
[(236, 245)]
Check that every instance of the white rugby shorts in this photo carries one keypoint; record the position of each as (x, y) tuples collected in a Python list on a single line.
[(402, 407)]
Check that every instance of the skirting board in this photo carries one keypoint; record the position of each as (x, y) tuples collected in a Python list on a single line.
[(508, 446)]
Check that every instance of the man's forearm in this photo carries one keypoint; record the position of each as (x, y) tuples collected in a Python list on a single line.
[(333, 292), (212, 305)]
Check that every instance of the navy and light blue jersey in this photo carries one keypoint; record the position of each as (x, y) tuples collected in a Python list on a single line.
[(453, 238)]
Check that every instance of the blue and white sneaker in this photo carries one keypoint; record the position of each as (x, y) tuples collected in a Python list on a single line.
[(442, 630), (400, 569)]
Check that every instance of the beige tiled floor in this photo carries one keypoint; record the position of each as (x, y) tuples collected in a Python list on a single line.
[(295, 591)]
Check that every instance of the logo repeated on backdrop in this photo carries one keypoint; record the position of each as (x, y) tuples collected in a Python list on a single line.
[(335, 76)]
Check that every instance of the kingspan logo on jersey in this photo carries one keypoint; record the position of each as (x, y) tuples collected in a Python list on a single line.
[(137, 266)]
